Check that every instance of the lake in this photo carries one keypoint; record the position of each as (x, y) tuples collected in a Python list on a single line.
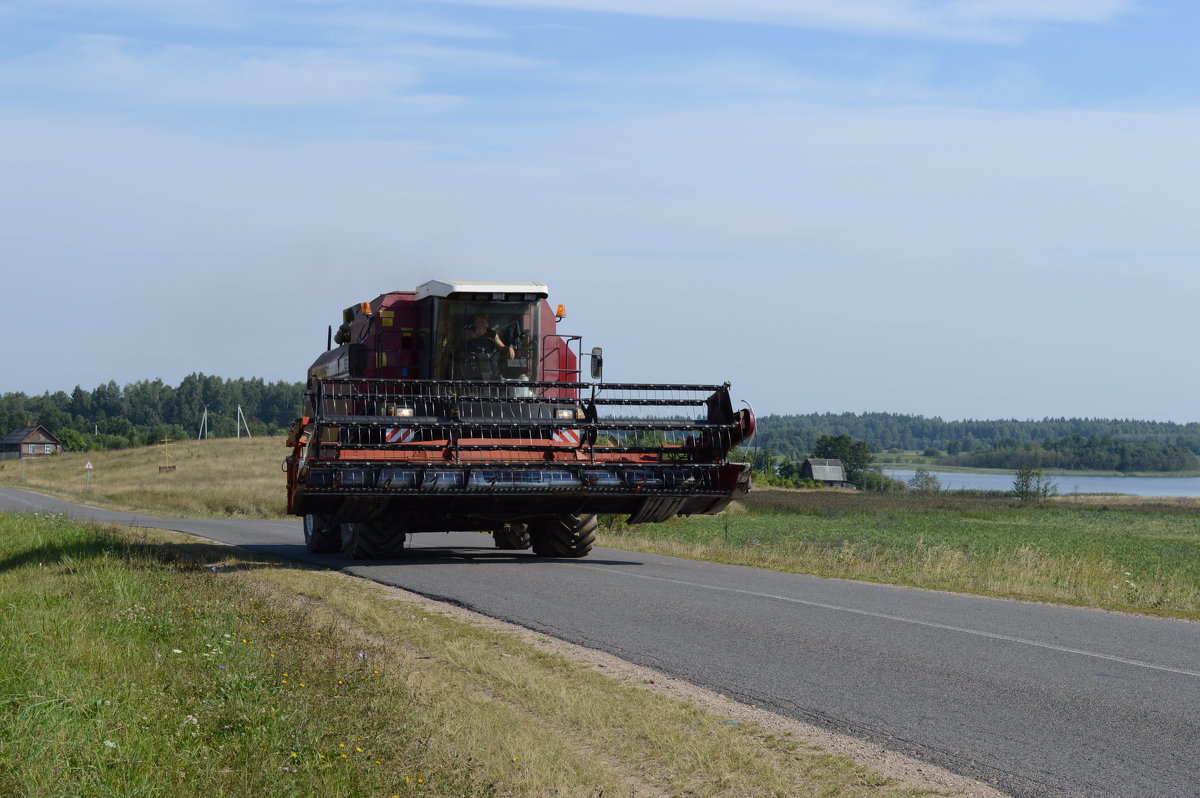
[(1067, 483)]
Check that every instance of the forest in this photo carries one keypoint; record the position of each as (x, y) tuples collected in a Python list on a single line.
[(1060, 442), (150, 411)]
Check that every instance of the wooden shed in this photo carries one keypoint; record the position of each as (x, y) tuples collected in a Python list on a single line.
[(830, 473), (29, 442)]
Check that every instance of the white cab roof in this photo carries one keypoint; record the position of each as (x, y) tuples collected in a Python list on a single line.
[(445, 288)]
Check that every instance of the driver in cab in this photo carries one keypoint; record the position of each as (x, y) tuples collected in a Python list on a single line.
[(484, 347)]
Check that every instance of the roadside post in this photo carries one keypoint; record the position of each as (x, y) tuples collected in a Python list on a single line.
[(21, 478), (87, 477)]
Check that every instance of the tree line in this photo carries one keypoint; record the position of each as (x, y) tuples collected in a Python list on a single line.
[(1077, 452), (794, 436), (146, 412)]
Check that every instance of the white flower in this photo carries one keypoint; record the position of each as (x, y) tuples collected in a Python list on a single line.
[(177, 651), (109, 744)]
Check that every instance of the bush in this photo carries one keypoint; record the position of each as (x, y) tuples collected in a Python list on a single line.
[(924, 482), (878, 482)]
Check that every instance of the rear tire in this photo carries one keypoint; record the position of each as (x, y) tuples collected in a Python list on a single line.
[(372, 541), (512, 537), (563, 535), (320, 536)]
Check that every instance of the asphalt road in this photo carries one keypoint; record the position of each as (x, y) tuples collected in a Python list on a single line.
[(1036, 700)]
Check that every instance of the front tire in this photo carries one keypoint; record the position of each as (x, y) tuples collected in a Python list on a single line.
[(321, 536), (512, 537), (563, 536), (372, 541)]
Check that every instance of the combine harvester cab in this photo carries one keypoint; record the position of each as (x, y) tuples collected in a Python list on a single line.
[(459, 407)]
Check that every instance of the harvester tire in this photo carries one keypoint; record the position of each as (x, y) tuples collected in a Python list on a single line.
[(512, 537), (320, 536), (372, 541), (563, 535)]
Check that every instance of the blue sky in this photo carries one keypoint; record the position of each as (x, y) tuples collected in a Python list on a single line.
[(967, 208)]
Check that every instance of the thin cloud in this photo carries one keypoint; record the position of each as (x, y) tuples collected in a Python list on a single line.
[(114, 70), (967, 19)]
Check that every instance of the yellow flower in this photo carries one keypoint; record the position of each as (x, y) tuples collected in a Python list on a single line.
[(294, 754)]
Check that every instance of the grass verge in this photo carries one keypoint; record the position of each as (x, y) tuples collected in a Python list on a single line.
[(144, 663)]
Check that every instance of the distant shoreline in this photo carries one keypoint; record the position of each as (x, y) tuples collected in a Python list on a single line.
[(1057, 472)]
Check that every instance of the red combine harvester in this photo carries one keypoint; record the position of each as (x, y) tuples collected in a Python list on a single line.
[(459, 407)]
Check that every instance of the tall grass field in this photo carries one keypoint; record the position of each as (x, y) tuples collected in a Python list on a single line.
[(1114, 553)]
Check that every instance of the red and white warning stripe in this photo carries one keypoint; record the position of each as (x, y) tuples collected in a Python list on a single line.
[(567, 436), (399, 435)]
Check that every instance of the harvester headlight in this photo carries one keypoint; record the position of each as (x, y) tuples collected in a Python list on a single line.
[(564, 413), (403, 412)]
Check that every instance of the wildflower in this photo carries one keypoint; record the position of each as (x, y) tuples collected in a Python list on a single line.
[(356, 748), (109, 744), (176, 651), (361, 655), (295, 755)]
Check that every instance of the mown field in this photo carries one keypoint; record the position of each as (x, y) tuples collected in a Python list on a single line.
[(228, 477), (1136, 555), (142, 663)]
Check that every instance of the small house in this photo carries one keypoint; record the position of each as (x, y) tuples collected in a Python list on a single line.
[(830, 473), (29, 442)]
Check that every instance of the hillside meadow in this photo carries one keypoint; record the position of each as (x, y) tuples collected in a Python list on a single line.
[(1120, 553)]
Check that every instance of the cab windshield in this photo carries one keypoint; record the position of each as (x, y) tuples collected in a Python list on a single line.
[(485, 340)]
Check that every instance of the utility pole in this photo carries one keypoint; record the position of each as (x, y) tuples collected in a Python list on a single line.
[(241, 422), (203, 424)]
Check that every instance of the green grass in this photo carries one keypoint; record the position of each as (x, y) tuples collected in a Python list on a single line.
[(1138, 557), (126, 671), (145, 663)]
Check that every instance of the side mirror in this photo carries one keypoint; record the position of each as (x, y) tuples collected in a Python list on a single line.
[(597, 363)]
